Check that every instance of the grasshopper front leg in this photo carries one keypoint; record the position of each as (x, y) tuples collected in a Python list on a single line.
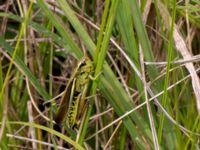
[(95, 77)]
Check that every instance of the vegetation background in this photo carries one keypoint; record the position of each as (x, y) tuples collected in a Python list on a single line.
[(147, 95)]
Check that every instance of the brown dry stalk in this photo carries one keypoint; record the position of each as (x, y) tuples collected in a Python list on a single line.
[(181, 47)]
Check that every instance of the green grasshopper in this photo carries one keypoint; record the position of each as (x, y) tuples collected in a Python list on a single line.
[(73, 100)]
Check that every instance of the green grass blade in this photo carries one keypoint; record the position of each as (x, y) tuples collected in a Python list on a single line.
[(143, 39), (62, 136), (59, 26), (165, 98), (77, 25), (101, 54), (24, 70)]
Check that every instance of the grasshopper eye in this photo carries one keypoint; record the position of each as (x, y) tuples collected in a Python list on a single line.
[(83, 63)]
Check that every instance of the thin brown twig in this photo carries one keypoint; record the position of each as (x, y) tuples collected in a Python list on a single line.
[(151, 120), (5, 113)]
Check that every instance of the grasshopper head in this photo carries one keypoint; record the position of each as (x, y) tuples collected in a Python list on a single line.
[(86, 65)]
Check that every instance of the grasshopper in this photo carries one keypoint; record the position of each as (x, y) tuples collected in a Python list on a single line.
[(73, 100)]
